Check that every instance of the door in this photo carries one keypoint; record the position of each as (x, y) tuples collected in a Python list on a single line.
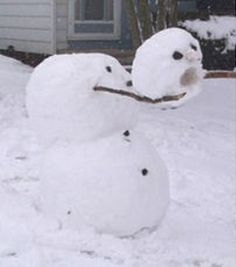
[(94, 19)]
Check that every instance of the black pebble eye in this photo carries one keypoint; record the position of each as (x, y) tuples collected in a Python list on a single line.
[(108, 68), (126, 133), (69, 212), (144, 172), (129, 83), (193, 47), (177, 55)]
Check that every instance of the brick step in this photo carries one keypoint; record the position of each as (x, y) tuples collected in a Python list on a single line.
[(220, 74)]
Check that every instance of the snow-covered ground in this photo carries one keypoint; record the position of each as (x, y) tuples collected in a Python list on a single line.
[(196, 141)]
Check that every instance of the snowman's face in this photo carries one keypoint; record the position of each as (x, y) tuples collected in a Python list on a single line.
[(114, 76), (169, 63)]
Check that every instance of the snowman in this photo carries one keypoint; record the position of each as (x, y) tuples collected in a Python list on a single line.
[(97, 171), (63, 107)]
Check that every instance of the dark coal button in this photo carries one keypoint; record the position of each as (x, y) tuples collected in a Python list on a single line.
[(129, 83), (126, 133), (144, 172)]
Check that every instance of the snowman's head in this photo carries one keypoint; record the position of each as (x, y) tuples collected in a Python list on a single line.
[(168, 63), (111, 73), (63, 105)]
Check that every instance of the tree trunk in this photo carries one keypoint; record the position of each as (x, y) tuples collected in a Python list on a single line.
[(161, 17), (167, 14), (145, 19), (140, 18), (134, 23), (173, 13)]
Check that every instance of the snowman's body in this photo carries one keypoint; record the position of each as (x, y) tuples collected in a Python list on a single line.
[(117, 184), (63, 105)]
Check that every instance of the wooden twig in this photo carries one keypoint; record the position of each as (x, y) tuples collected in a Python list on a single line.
[(139, 97)]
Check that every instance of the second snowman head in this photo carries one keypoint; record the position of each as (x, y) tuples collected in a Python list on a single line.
[(167, 64)]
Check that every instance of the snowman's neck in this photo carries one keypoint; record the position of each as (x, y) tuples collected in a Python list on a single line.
[(140, 98)]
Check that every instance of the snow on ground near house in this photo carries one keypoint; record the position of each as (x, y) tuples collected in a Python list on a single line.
[(217, 27), (197, 142)]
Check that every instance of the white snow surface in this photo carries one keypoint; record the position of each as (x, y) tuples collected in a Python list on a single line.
[(157, 73), (217, 27), (116, 184), (197, 144), (63, 106)]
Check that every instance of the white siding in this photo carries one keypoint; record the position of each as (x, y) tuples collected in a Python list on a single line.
[(27, 25), (61, 24)]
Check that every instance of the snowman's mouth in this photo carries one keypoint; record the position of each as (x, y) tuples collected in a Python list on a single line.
[(140, 98), (189, 77)]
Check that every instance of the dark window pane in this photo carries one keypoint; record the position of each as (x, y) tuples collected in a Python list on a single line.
[(94, 10)]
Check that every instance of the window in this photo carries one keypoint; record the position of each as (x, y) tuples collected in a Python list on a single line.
[(94, 19), (94, 10)]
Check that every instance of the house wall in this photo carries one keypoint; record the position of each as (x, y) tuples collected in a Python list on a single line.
[(41, 26), (61, 24), (27, 25)]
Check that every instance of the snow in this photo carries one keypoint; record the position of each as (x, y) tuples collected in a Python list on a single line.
[(117, 184), (196, 142), (11, 94), (217, 27), (62, 104), (155, 58)]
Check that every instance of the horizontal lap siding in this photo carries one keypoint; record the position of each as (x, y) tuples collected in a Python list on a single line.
[(26, 46), (32, 10), (20, 2), (35, 23), (26, 25), (25, 34)]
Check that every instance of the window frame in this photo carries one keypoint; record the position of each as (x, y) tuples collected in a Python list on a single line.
[(115, 35)]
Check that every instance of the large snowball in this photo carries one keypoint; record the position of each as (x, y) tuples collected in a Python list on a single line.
[(157, 72), (63, 106), (118, 185)]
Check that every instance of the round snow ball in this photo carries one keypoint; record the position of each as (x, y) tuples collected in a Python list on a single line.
[(102, 184), (64, 107), (164, 61)]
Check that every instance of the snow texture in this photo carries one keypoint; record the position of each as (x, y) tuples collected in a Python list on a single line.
[(117, 184), (154, 59), (196, 142), (217, 27), (62, 104)]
